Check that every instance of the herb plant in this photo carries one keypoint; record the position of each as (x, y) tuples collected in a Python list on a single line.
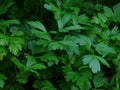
[(59, 45)]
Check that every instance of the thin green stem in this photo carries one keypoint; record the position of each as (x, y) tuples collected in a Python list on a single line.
[(117, 82)]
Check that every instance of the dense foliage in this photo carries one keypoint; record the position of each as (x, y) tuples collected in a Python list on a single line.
[(59, 45)]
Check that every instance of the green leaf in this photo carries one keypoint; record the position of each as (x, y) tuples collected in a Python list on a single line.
[(96, 20), (74, 88), (93, 62), (55, 46), (57, 12), (105, 35), (103, 61), (15, 48), (49, 7), (83, 19), (65, 19), (32, 63), (102, 17), (104, 49), (3, 51), (38, 66), (36, 48), (35, 72), (2, 83), (108, 11), (18, 64), (114, 30), (17, 33), (116, 36), (43, 85), (16, 44), (5, 7), (61, 22), (37, 25), (70, 46), (22, 77), (70, 76), (84, 40), (80, 78), (67, 29), (50, 58), (95, 65), (99, 81), (10, 22), (4, 39), (40, 34), (2, 76), (44, 43), (87, 59), (117, 12), (30, 60)]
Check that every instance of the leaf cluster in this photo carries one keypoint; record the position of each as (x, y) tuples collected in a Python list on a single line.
[(59, 45)]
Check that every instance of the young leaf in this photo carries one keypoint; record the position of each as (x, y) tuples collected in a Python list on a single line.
[(93, 62), (87, 59), (95, 65), (37, 25)]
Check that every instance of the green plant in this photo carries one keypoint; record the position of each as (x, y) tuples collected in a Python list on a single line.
[(59, 45)]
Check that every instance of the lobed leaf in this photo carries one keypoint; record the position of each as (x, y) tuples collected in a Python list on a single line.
[(37, 25)]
